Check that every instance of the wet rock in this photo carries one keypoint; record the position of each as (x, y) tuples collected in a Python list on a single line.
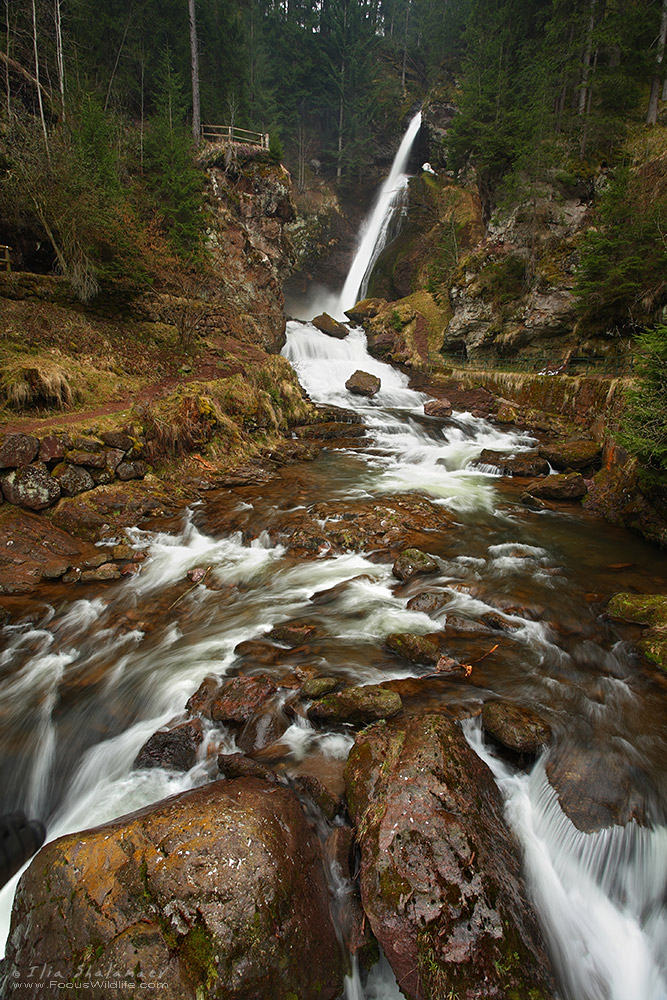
[(238, 698), (30, 486), (559, 487), (340, 526), (412, 562), (428, 601), (362, 384), (317, 687), (494, 620), (357, 705), (200, 701), (54, 447), (73, 479), (576, 455), (517, 728), (526, 464), (131, 470), (261, 730), (122, 551), (309, 787), (237, 765), (174, 749), (440, 873), (327, 324), (196, 574), (597, 789), (118, 440), (103, 574), (17, 450), (534, 503), (258, 651), (417, 648), (292, 634), (330, 431), (438, 408), (217, 892)]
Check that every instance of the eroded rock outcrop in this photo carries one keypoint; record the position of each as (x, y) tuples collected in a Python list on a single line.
[(440, 873), (218, 892)]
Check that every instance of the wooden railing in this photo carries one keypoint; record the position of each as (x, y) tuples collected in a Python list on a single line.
[(5, 259), (238, 136)]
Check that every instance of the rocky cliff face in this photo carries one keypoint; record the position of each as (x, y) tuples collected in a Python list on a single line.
[(249, 202)]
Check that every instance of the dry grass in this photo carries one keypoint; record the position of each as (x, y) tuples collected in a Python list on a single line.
[(44, 385)]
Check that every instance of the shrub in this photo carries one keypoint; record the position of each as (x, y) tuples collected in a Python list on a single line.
[(644, 425)]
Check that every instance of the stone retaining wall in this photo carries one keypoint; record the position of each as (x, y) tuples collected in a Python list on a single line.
[(36, 472)]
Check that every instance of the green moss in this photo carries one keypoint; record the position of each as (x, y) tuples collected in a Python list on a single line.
[(197, 953), (644, 609)]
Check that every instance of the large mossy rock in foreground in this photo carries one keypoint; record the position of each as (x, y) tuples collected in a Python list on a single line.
[(218, 892), (440, 872)]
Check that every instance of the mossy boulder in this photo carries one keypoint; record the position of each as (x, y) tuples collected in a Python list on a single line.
[(327, 324), (357, 705), (440, 873), (516, 728), (417, 648), (365, 309), (317, 687), (528, 464), (576, 455), (412, 562), (570, 486), (645, 609), (218, 892)]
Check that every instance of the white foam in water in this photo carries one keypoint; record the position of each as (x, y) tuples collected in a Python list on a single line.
[(599, 896), (171, 556)]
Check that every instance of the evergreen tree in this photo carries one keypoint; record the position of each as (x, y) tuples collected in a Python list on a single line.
[(172, 177)]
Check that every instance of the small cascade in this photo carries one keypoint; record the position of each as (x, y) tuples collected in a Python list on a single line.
[(599, 896), (376, 229)]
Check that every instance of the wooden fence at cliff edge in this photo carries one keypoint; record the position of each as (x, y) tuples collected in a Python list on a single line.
[(5, 259), (234, 135), (537, 364)]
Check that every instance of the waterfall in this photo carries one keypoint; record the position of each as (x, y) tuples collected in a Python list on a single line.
[(375, 230)]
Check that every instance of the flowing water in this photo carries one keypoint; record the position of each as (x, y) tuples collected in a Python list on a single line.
[(86, 679), (391, 199)]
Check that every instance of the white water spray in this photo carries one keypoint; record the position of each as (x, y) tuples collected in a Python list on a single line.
[(374, 232)]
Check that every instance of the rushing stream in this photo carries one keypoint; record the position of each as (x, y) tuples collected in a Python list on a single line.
[(88, 679)]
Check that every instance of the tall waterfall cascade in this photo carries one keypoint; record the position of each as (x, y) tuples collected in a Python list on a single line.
[(374, 233)]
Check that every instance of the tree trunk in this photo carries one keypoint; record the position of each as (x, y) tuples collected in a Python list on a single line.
[(652, 116), (8, 92), (194, 60), (60, 62), (39, 89), (405, 46), (586, 61)]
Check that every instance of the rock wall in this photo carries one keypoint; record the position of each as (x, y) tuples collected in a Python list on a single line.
[(249, 200)]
